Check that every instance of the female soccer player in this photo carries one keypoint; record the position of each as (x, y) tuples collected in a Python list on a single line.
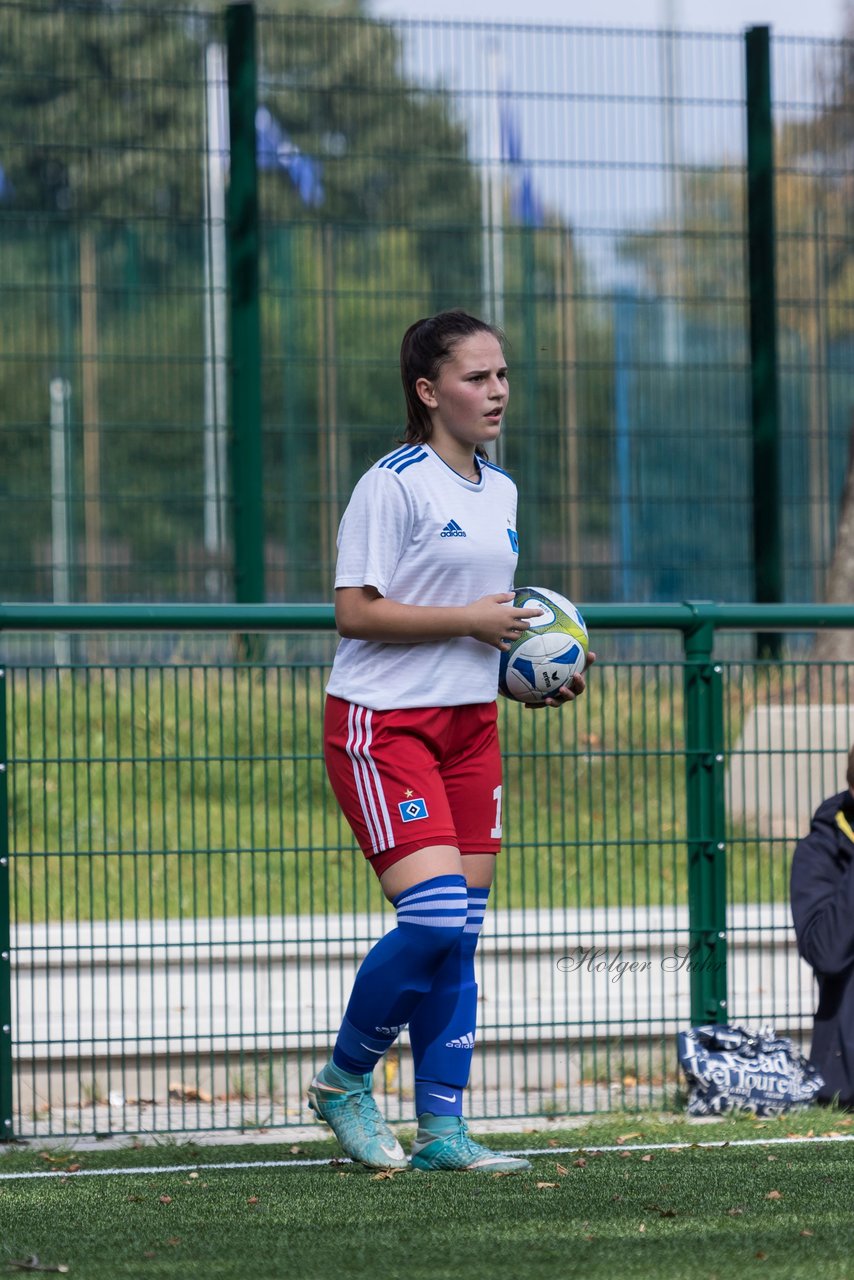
[(427, 551)]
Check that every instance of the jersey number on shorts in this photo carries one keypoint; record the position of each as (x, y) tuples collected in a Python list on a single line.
[(495, 833)]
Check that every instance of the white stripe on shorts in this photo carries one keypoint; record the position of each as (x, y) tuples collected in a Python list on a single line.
[(367, 778)]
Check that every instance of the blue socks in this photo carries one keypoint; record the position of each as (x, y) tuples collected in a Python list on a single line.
[(420, 974), (442, 1027), (400, 969)]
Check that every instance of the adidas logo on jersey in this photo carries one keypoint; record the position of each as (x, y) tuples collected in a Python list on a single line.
[(464, 1042), (452, 530)]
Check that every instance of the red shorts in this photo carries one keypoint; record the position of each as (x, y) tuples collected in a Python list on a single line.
[(413, 778)]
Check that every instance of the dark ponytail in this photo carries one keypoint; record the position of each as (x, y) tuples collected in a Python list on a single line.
[(426, 346)]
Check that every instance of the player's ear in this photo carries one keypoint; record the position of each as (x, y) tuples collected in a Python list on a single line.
[(425, 392)]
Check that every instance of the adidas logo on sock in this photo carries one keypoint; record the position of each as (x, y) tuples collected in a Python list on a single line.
[(464, 1042), (452, 530)]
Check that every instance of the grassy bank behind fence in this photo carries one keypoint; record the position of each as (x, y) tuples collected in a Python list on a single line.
[(188, 790)]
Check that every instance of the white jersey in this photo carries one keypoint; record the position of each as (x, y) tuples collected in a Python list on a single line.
[(422, 534)]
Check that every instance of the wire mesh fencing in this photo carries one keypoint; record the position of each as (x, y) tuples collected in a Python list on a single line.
[(583, 188), (185, 908)]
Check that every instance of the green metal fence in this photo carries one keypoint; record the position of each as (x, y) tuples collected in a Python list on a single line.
[(182, 908), (586, 187)]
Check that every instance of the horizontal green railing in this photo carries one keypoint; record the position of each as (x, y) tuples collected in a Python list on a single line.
[(685, 617), (172, 818)]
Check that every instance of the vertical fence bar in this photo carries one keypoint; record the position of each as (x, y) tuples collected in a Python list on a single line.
[(765, 410), (704, 757), (243, 251), (5, 934)]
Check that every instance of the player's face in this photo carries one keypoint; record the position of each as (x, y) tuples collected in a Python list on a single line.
[(468, 399)]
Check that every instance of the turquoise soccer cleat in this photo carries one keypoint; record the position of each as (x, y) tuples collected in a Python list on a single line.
[(443, 1143), (357, 1123)]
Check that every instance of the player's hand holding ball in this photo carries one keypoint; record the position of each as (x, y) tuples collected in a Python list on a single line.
[(497, 620), (543, 664)]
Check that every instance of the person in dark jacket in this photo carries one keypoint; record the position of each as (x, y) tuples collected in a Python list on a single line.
[(822, 895)]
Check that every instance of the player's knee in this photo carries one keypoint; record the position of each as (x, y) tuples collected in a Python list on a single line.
[(432, 915), (436, 940)]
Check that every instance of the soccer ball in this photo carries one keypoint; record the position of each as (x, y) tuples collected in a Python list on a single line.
[(549, 653)]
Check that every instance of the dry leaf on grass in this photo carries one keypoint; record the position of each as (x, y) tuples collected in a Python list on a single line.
[(385, 1175), (183, 1092), (165, 1199), (806, 1233), (580, 1162), (542, 1186), (627, 1137), (774, 1195), (646, 1159)]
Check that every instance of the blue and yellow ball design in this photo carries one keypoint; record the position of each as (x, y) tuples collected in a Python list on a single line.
[(549, 653)]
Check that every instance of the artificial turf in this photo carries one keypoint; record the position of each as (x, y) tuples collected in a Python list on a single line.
[(696, 1212)]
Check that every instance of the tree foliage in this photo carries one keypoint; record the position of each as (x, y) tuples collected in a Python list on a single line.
[(703, 264), (102, 134)]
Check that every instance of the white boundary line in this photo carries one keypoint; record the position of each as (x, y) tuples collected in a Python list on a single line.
[(146, 1170)]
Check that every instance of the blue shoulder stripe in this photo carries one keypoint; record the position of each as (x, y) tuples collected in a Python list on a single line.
[(402, 458), (500, 470), (407, 462), (397, 454)]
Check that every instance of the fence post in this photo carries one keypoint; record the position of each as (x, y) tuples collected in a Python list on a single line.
[(5, 934), (765, 413), (243, 250), (706, 825)]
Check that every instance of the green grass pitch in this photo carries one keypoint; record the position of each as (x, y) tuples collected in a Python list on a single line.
[(700, 1212)]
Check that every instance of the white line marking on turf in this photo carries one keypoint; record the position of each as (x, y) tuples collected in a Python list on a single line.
[(142, 1170), (146, 1170)]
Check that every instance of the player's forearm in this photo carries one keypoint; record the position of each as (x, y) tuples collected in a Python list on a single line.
[(390, 622)]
